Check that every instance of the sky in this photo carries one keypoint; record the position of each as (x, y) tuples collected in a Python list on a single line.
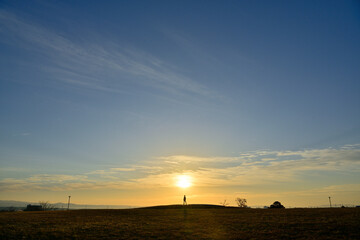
[(115, 102)]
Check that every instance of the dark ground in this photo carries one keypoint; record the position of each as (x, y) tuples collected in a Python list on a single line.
[(178, 222)]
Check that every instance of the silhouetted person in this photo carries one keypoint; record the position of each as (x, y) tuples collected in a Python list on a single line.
[(184, 201)]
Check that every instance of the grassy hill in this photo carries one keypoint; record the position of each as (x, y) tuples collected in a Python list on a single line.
[(183, 222), (190, 206), (6, 204)]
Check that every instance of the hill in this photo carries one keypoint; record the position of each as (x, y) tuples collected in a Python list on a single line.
[(183, 222), (179, 206), (4, 204)]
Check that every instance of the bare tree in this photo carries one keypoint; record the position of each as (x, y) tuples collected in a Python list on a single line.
[(46, 206), (224, 203), (241, 202)]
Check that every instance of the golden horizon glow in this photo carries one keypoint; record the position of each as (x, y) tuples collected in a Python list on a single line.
[(183, 181)]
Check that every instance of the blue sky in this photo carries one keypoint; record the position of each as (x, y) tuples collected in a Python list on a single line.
[(92, 91)]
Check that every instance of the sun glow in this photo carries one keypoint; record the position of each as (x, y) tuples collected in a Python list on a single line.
[(183, 181)]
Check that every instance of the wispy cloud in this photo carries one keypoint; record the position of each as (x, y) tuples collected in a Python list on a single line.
[(248, 169), (52, 182), (112, 171), (104, 67)]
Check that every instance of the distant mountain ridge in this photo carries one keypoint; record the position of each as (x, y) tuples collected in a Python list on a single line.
[(20, 204)]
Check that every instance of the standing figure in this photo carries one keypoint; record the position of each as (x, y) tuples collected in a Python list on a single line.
[(184, 201)]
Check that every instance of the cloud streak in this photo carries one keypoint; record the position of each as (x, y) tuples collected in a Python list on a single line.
[(104, 67), (248, 169)]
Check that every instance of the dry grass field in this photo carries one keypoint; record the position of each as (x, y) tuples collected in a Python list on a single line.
[(177, 222)]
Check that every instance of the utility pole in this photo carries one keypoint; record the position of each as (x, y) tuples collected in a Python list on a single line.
[(330, 201), (69, 203)]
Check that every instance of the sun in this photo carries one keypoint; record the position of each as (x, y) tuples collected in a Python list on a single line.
[(183, 181)]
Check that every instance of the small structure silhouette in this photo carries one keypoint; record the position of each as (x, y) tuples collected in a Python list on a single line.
[(276, 204), (30, 207), (184, 200)]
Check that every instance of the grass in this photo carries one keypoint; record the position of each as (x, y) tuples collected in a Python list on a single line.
[(177, 222)]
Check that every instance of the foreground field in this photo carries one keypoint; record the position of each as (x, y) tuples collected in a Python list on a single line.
[(192, 222)]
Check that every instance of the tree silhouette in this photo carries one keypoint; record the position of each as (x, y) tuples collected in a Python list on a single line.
[(241, 202), (224, 203), (276, 204), (46, 206)]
